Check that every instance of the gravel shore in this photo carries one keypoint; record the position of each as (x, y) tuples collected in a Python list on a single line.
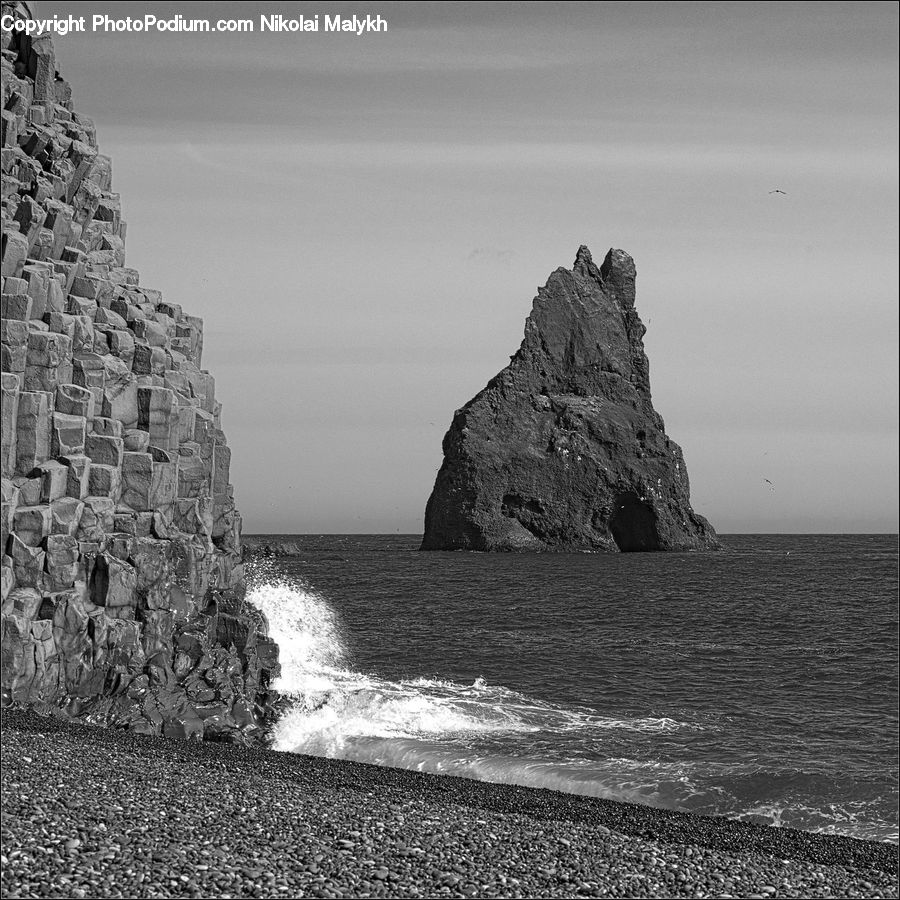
[(94, 813)]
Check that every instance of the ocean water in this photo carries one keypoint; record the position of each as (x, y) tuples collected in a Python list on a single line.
[(759, 683)]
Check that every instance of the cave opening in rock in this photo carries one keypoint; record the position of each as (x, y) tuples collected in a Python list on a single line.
[(633, 524)]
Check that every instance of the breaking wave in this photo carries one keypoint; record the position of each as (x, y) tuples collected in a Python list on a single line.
[(426, 724), (493, 733)]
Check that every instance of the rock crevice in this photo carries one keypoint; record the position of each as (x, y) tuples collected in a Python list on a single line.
[(563, 449), (122, 580)]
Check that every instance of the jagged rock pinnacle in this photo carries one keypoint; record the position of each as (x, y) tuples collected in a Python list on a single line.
[(563, 449)]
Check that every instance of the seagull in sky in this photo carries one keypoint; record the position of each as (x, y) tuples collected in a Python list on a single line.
[(778, 191)]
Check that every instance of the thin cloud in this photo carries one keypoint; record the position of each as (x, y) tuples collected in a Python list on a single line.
[(491, 255)]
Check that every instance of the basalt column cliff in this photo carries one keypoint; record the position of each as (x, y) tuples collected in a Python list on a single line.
[(563, 449), (123, 588)]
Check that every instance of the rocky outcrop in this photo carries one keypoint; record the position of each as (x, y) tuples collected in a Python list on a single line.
[(257, 548), (122, 579), (563, 449)]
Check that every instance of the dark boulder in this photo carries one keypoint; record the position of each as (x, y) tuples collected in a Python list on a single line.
[(256, 549)]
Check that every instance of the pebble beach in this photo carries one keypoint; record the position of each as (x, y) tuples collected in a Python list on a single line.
[(97, 813)]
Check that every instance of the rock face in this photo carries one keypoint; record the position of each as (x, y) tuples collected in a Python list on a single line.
[(563, 449), (122, 582)]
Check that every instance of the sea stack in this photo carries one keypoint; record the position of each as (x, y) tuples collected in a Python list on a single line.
[(122, 581), (563, 449)]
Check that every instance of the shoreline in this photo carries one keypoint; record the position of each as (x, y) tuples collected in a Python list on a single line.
[(114, 814)]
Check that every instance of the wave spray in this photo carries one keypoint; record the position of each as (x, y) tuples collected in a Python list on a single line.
[(477, 730)]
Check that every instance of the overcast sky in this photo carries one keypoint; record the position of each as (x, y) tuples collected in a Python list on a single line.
[(363, 222)]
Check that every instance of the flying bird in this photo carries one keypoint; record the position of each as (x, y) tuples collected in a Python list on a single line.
[(766, 480), (778, 191)]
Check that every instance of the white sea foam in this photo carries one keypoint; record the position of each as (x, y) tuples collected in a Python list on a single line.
[(492, 733), (424, 723), (310, 645)]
